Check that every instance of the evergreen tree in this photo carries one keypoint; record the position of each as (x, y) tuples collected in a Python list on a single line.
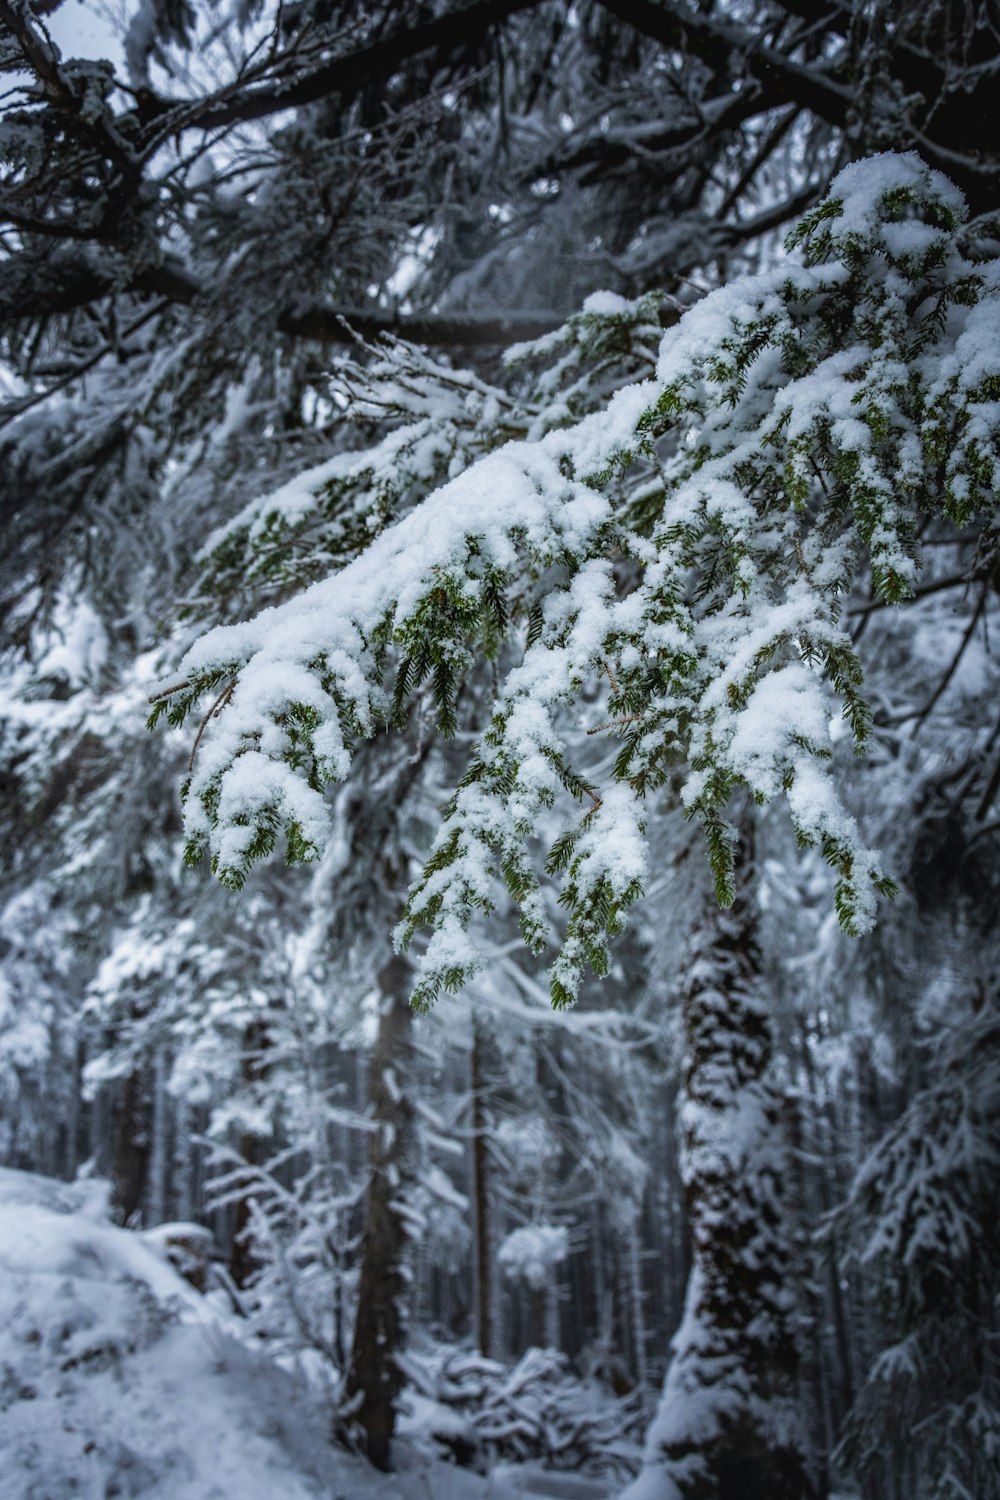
[(176, 256), (921, 1215), (692, 546)]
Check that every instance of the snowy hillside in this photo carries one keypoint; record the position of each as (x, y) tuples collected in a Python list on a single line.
[(118, 1379)]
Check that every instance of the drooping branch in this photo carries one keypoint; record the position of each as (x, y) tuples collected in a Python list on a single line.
[(955, 102), (340, 324), (675, 26), (605, 150)]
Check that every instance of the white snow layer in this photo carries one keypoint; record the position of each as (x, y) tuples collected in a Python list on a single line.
[(117, 1378)]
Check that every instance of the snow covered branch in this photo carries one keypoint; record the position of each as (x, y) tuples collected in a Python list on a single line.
[(697, 536)]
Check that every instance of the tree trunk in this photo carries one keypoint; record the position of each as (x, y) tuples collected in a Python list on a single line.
[(375, 1376), (158, 1173), (130, 1150), (637, 1305), (483, 1226), (243, 1260), (728, 1427)]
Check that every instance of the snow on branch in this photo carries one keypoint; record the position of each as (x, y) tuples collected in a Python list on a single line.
[(689, 544)]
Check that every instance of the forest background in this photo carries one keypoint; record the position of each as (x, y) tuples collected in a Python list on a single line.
[(266, 282)]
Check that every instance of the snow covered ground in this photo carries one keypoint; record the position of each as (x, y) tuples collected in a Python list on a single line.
[(117, 1379)]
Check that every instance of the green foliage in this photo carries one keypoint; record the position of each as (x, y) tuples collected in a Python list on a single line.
[(688, 540)]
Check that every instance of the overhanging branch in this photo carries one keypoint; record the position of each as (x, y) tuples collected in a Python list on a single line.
[(336, 323), (604, 151), (339, 325), (78, 286), (347, 74), (675, 25)]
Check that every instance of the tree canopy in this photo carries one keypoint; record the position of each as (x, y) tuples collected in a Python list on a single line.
[(260, 172)]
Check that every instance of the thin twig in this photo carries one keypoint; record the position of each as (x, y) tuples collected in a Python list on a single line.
[(18, 408), (935, 587), (167, 692), (216, 708), (613, 723), (966, 638)]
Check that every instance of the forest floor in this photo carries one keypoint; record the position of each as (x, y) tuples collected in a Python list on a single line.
[(118, 1379)]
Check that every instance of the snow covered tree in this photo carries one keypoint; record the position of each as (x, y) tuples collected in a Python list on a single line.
[(181, 235), (729, 1422), (693, 546), (921, 1215)]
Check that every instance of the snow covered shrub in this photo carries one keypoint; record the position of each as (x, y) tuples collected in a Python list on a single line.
[(301, 1291), (485, 1413), (532, 1253), (117, 1379)]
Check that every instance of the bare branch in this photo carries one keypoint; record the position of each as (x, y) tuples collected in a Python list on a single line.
[(346, 75)]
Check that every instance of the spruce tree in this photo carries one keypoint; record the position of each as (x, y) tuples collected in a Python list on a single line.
[(688, 549)]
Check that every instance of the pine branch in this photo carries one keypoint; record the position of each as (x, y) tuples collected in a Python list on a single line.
[(815, 89), (345, 75)]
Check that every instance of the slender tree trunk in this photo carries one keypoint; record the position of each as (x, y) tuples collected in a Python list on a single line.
[(243, 1261), (130, 1151), (809, 1176), (637, 1304), (728, 1427), (538, 1317), (72, 1154), (483, 1227), (159, 1158), (375, 1376), (841, 1382)]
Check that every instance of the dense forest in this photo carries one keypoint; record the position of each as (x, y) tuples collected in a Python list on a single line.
[(499, 742)]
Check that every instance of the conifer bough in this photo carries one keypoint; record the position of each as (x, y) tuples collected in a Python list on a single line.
[(689, 544)]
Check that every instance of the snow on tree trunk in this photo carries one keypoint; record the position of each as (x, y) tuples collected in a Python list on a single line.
[(375, 1376), (727, 1427), (182, 1167)]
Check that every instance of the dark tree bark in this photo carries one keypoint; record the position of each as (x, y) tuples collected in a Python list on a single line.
[(130, 1152), (243, 1262), (375, 1375), (483, 1225)]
